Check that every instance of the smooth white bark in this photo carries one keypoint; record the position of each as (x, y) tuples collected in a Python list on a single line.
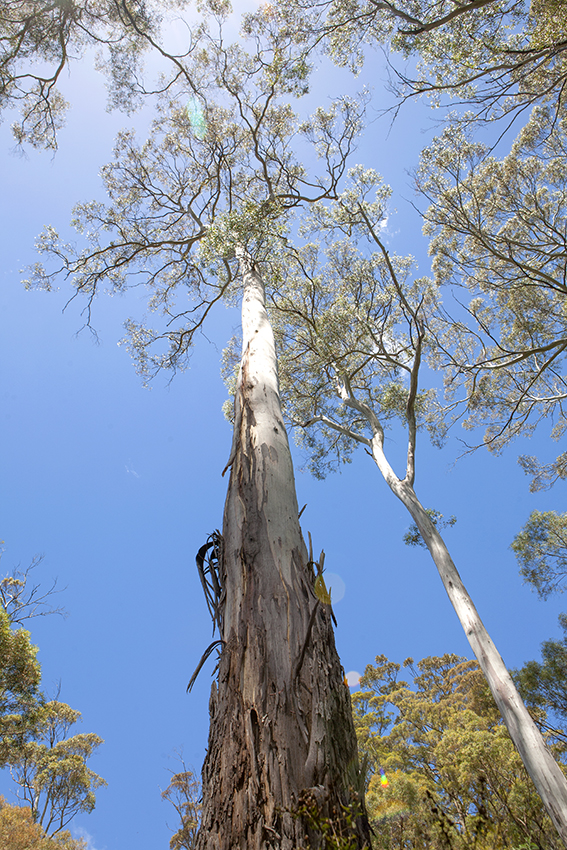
[(546, 774)]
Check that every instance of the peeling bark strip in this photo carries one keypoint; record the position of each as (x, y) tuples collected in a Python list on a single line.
[(276, 740)]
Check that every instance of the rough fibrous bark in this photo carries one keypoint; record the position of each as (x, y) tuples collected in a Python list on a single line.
[(281, 735)]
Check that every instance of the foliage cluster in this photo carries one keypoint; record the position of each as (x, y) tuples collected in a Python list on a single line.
[(454, 777), (188, 200), (48, 765), (40, 39), (541, 551), (19, 831), (183, 792)]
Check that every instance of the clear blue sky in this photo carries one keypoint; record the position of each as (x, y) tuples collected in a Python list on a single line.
[(118, 487)]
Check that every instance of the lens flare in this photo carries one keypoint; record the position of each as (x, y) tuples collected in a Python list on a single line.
[(197, 118), (383, 778), (336, 586)]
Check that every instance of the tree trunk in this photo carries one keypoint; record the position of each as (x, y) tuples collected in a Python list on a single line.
[(544, 771), (281, 735)]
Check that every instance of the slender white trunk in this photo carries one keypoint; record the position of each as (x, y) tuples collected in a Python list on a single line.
[(281, 725), (546, 774)]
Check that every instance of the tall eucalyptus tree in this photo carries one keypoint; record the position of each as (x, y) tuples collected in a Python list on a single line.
[(197, 214), (354, 331)]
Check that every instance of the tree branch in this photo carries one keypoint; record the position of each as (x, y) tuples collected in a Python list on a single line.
[(346, 432)]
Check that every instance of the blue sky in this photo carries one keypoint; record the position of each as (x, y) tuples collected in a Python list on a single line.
[(118, 487)]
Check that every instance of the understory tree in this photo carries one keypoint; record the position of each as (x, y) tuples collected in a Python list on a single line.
[(541, 550), (184, 793), (18, 831), (355, 329), (48, 766), (442, 770), (196, 215)]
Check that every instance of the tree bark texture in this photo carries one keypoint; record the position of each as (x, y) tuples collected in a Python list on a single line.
[(547, 776), (281, 729)]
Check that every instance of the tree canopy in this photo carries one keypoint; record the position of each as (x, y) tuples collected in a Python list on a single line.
[(496, 226), (442, 770), (39, 40), (498, 231), (48, 766), (18, 831), (219, 169), (498, 57)]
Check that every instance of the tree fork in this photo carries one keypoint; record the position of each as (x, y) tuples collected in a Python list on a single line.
[(281, 736)]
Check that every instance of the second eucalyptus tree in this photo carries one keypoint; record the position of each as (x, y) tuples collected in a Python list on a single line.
[(355, 330), (196, 214)]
